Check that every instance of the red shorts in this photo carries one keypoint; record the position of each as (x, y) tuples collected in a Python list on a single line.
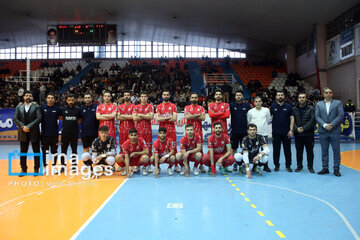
[(134, 161), (226, 162)]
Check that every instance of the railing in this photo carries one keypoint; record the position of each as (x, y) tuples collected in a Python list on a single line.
[(218, 79)]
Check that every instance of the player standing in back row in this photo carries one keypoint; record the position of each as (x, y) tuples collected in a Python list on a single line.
[(166, 115), (194, 115)]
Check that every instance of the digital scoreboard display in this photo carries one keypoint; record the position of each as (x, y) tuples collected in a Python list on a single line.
[(86, 34)]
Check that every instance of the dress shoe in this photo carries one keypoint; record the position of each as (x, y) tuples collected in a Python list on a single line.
[(36, 171), (324, 171), (288, 169), (298, 169), (23, 172), (311, 170), (276, 169), (337, 173)]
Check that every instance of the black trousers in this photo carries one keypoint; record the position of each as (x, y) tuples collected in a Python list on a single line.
[(308, 143), (24, 147), (48, 142), (66, 140), (286, 141)]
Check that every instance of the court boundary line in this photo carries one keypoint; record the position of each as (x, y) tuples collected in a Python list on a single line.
[(347, 223), (78, 232)]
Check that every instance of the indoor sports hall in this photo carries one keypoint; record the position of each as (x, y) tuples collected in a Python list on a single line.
[(70, 68)]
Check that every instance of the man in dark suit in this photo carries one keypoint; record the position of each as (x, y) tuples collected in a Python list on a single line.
[(27, 118), (328, 114)]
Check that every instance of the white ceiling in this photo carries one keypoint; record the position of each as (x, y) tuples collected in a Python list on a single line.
[(266, 25)]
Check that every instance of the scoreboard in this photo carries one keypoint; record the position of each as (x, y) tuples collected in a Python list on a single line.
[(84, 34)]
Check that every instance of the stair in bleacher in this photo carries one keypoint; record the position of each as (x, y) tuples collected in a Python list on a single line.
[(77, 78), (228, 69), (195, 76)]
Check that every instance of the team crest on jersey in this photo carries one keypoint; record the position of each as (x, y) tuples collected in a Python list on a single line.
[(222, 142), (169, 108), (109, 109), (222, 106)]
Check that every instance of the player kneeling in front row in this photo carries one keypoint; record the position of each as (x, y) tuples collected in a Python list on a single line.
[(135, 153), (251, 145), (163, 152), (219, 151), (190, 146), (102, 153)]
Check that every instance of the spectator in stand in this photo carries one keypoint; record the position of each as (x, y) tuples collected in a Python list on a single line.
[(349, 106)]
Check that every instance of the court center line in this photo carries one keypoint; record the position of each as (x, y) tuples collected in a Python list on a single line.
[(97, 211)]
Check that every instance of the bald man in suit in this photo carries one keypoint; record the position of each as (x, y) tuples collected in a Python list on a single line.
[(328, 114)]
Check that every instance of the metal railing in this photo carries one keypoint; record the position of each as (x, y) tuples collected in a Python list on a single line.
[(218, 79)]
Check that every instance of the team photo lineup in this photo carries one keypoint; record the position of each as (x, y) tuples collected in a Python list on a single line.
[(134, 151)]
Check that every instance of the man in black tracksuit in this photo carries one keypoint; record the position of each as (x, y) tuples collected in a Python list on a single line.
[(70, 128), (304, 115)]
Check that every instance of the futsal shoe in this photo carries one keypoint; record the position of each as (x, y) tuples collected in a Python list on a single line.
[(241, 169), (119, 169), (144, 171), (235, 167), (258, 171), (177, 169), (196, 171), (202, 169), (170, 171), (227, 169), (149, 169), (182, 171), (223, 170)]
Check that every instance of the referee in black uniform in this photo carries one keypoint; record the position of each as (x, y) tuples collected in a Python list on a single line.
[(50, 114), (70, 128), (89, 124)]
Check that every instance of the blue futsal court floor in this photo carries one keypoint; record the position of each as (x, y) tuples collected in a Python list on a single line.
[(276, 205)]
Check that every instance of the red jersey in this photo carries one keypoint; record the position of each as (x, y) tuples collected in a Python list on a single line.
[(107, 109), (126, 125), (190, 144), (219, 112), (143, 126), (219, 144), (195, 109), (167, 110), (128, 147), (163, 148)]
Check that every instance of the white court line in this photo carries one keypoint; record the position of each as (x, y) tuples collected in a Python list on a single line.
[(50, 188), (20, 203), (97, 211), (347, 223)]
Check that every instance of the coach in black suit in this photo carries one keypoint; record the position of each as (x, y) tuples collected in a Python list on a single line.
[(27, 118)]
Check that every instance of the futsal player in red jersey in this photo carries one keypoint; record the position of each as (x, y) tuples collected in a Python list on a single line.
[(143, 113), (219, 111), (166, 115), (125, 116), (163, 152), (190, 146), (194, 115), (134, 153), (219, 151), (106, 114)]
